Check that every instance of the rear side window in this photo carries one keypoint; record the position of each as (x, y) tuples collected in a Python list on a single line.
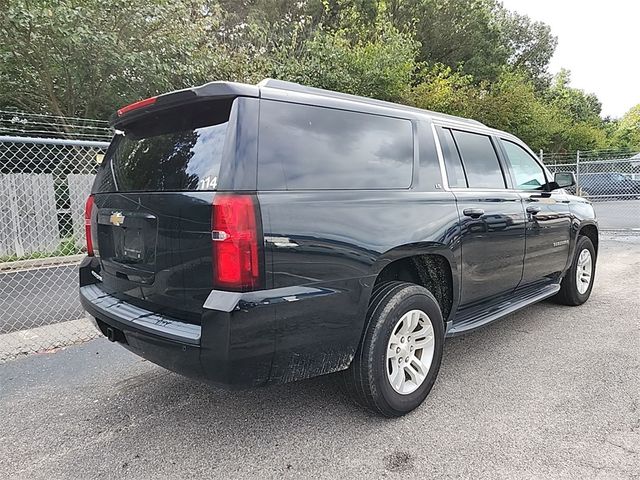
[(480, 160), (305, 147), (176, 151), (452, 162)]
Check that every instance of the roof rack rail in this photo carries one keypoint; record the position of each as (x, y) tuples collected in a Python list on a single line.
[(299, 88)]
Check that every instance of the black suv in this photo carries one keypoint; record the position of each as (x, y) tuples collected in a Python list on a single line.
[(250, 235)]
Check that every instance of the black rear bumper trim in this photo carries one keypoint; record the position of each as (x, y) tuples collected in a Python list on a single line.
[(99, 303)]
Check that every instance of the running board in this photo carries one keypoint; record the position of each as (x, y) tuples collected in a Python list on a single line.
[(468, 321)]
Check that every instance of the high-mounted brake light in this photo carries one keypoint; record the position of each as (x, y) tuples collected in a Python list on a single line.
[(234, 235), (88, 210), (135, 105)]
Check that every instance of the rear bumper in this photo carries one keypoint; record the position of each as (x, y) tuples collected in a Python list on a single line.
[(166, 342), (316, 330), (129, 317), (233, 346)]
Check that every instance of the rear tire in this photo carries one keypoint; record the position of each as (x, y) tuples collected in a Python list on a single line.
[(574, 289), (403, 322)]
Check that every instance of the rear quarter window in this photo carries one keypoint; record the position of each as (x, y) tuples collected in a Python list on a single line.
[(307, 148)]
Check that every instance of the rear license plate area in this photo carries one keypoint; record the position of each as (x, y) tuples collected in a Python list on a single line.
[(128, 247)]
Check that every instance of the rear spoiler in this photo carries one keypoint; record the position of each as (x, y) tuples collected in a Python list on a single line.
[(208, 91)]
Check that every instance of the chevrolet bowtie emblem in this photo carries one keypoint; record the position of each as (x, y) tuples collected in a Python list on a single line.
[(116, 218)]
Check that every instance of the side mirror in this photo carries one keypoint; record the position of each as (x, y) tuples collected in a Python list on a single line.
[(563, 180)]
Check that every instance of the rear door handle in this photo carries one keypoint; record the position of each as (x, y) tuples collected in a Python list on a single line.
[(533, 209), (473, 212)]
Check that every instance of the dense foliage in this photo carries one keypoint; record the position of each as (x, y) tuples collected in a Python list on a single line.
[(466, 57)]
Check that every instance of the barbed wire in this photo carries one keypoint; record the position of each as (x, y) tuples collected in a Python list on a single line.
[(587, 155), (46, 115), (13, 122)]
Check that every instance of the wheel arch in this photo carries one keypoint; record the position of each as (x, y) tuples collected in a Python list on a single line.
[(430, 265), (590, 230)]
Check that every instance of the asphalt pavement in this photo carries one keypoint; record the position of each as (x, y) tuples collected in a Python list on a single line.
[(618, 214), (548, 392), (38, 296)]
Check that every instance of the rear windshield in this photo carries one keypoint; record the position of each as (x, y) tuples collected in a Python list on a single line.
[(179, 151)]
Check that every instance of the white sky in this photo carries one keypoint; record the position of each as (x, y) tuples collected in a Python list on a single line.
[(598, 42)]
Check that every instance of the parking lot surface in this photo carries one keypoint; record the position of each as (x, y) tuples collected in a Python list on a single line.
[(38, 296), (548, 392), (618, 214)]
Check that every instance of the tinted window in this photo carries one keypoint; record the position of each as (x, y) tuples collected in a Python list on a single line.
[(480, 160), (304, 147), (527, 172), (181, 150), (453, 165)]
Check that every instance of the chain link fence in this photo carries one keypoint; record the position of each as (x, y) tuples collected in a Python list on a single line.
[(44, 184), (610, 179)]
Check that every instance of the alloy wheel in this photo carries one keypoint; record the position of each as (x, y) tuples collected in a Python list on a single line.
[(584, 270), (410, 352)]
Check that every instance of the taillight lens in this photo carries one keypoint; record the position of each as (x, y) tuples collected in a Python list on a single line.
[(88, 209), (234, 235)]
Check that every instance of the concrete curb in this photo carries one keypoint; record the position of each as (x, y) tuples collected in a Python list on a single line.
[(40, 262), (46, 338), (621, 231)]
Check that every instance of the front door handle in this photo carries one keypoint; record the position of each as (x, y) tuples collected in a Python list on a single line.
[(533, 209), (473, 212)]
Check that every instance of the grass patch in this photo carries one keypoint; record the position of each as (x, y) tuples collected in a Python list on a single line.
[(65, 248)]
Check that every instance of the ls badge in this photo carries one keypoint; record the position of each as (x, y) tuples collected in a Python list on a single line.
[(116, 219)]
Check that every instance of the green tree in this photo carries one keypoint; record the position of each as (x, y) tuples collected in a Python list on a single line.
[(443, 89), (530, 44), (371, 60), (580, 106), (627, 130), (511, 104), (84, 57), (472, 58), (481, 36), (457, 33)]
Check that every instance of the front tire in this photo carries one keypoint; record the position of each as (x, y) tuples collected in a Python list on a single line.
[(399, 357), (576, 286)]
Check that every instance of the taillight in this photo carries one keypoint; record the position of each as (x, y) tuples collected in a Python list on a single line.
[(234, 235), (135, 105), (88, 209)]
